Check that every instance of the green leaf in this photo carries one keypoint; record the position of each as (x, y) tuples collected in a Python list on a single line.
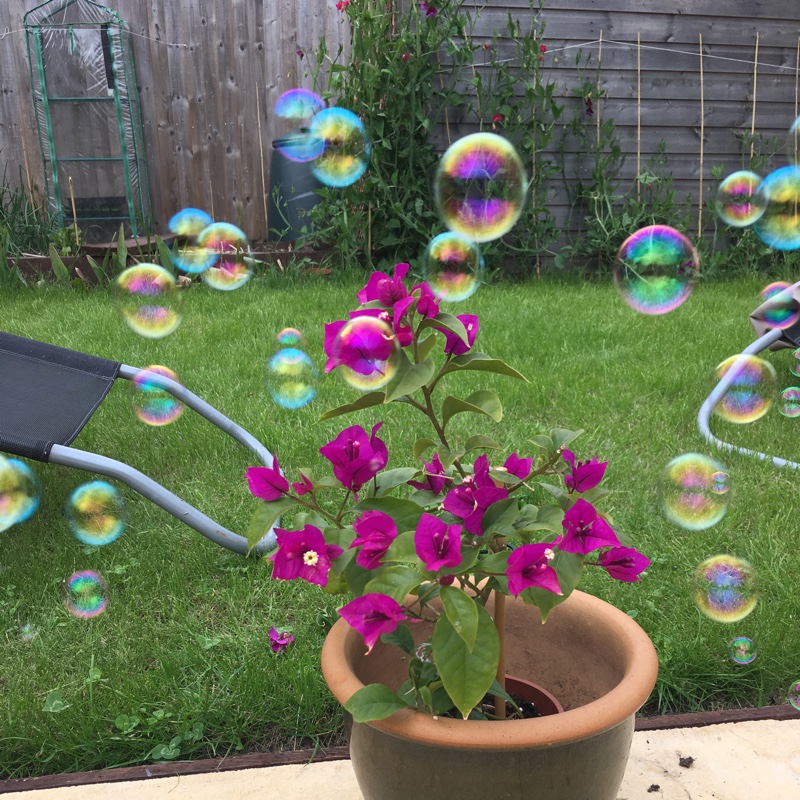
[(449, 322), (126, 724), (401, 637), (356, 576), (415, 376), (421, 445), (402, 367), (54, 702), (265, 516), (396, 581), (466, 675), (164, 255), (207, 642), (479, 442), (568, 567), (562, 437), (365, 401), (483, 402), (405, 513), (545, 442), (373, 702), (500, 516), (447, 457), (402, 549), (94, 675), (59, 268), (482, 363), (494, 562), (462, 611), (392, 478), (498, 691), (424, 346)]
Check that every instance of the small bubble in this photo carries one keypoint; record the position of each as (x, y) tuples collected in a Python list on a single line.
[(742, 650), (153, 404), (752, 391), (86, 594), (346, 147), (725, 588), (737, 202), (291, 378), (794, 695), (453, 266), (149, 300), (694, 491), (95, 513)]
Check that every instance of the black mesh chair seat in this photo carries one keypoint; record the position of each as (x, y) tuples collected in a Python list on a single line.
[(48, 394)]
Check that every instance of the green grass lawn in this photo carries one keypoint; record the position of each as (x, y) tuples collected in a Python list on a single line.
[(180, 665)]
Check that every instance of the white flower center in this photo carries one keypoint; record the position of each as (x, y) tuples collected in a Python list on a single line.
[(310, 558), (549, 554)]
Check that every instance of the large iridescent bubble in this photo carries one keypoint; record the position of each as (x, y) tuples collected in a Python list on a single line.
[(86, 594), (725, 588), (752, 392), (231, 250), (656, 269), (152, 403), (95, 512), (480, 187), (298, 104), (149, 300), (738, 204), (20, 492), (453, 266), (781, 310), (367, 351), (779, 193), (695, 491), (291, 378), (346, 147)]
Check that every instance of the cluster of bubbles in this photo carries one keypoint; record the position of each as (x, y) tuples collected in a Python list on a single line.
[(656, 269), (333, 140), (291, 377)]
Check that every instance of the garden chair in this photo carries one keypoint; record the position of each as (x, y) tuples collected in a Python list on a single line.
[(768, 338), (47, 395)]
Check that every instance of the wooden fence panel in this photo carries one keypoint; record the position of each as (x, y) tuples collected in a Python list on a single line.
[(209, 73)]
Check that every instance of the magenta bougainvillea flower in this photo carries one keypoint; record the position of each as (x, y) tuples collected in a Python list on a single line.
[(585, 530), (372, 615), (435, 477), (386, 290), (375, 532), (267, 483), (303, 486), (280, 638), (303, 554), (583, 475), (453, 344), (427, 304), (518, 467), (356, 457), (437, 543), (529, 566), (624, 563), (470, 499)]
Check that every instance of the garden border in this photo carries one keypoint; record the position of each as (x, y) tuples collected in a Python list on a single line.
[(298, 757)]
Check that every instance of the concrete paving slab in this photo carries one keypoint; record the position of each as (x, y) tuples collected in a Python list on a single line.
[(732, 761)]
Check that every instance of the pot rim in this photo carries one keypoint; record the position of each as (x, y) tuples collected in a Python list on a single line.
[(608, 711)]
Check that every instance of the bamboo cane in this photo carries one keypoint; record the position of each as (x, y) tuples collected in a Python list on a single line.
[(702, 142), (500, 624), (597, 92), (74, 214), (638, 114), (261, 157), (753, 118)]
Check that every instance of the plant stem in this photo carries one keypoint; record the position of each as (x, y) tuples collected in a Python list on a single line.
[(500, 624)]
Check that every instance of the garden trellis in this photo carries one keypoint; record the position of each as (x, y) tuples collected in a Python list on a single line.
[(87, 117)]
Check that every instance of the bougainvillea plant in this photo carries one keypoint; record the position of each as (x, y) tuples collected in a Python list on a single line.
[(467, 521)]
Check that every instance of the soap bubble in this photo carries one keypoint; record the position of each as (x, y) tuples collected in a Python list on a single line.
[(86, 594), (725, 588), (794, 695), (96, 513), (298, 104), (790, 402), (290, 337), (149, 300), (230, 247), (20, 492), (795, 363), (782, 310), (480, 186), (346, 147), (301, 146), (367, 349), (742, 650), (189, 222), (453, 266), (754, 387), (694, 491), (28, 632), (738, 203), (779, 193), (656, 269), (291, 378), (153, 404)]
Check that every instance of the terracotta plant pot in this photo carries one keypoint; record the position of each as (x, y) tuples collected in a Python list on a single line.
[(595, 659)]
